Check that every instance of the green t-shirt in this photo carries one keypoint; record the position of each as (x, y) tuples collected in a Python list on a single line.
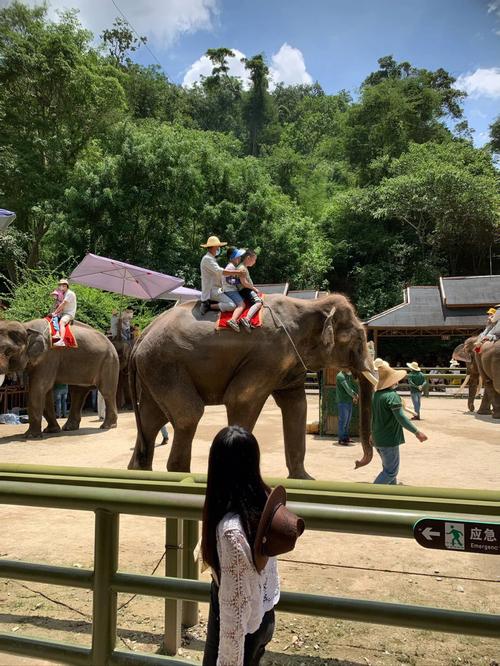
[(416, 379), (388, 419), (347, 387)]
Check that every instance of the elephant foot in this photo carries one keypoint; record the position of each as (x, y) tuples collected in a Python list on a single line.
[(301, 475), (484, 412), (136, 464), (107, 426), (52, 429), (496, 416), (471, 410), (70, 426), (29, 434)]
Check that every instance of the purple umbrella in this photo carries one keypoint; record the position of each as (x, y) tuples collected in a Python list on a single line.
[(122, 278), (6, 217), (181, 294)]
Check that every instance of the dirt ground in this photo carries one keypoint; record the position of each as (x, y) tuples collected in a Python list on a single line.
[(463, 451)]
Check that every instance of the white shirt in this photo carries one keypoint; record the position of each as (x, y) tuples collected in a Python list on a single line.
[(69, 304), (244, 594), (211, 276), (231, 282)]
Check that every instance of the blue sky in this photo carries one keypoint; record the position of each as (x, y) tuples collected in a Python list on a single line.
[(336, 42)]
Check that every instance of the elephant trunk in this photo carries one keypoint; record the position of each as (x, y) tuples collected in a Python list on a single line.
[(365, 413)]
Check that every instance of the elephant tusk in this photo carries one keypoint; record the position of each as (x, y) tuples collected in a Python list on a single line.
[(371, 377), (2, 378)]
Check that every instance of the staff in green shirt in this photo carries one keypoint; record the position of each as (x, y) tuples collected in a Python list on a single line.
[(347, 395), (417, 383), (388, 421)]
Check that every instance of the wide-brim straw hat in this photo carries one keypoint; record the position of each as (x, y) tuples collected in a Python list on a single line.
[(63, 281), (213, 241), (278, 529), (492, 310), (413, 366), (388, 376)]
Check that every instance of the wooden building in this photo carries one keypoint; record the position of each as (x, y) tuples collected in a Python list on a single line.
[(454, 308)]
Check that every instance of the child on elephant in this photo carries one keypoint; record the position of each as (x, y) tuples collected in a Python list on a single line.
[(248, 290), (231, 288)]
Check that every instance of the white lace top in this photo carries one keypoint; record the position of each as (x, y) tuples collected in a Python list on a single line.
[(244, 594)]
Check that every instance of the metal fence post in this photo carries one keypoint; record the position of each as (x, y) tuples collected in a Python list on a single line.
[(173, 568), (104, 601), (190, 569)]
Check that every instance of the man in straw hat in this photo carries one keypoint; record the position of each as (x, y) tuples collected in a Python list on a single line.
[(492, 330), (417, 383), (388, 421), (211, 279)]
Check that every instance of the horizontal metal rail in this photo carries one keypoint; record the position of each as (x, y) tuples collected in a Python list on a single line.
[(323, 517), (360, 610)]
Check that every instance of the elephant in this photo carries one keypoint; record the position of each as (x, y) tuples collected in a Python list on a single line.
[(459, 354), (486, 364), (25, 346), (182, 363)]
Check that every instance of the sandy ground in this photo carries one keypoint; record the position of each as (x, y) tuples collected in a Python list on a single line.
[(463, 451)]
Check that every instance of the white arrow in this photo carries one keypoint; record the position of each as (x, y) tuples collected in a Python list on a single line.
[(428, 533)]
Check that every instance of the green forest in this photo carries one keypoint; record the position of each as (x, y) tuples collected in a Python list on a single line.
[(360, 192)]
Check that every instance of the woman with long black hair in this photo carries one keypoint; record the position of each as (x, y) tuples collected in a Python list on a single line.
[(241, 618)]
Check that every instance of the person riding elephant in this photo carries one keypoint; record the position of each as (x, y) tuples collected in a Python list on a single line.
[(26, 347), (182, 363), (212, 291)]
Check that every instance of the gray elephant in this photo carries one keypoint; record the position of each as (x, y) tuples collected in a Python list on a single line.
[(26, 347), (182, 363), (486, 364)]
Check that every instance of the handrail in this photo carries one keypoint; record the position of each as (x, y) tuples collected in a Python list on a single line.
[(334, 507)]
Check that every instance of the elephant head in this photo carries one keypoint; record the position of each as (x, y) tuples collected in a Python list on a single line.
[(343, 340), (20, 345), (344, 343)]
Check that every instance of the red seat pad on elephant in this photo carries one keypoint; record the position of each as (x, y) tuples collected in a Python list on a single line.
[(224, 317), (69, 338)]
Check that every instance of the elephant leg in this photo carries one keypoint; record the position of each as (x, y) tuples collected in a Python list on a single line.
[(293, 405), (151, 418), (485, 406), (41, 382), (78, 395), (185, 408), (108, 385), (50, 414)]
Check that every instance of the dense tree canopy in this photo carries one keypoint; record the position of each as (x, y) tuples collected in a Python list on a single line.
[(361, 194)]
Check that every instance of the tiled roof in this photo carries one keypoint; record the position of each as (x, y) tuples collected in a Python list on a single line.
[(423, 308), (470, 291)]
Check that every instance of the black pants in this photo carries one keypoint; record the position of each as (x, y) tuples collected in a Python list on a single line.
[(255, 644)]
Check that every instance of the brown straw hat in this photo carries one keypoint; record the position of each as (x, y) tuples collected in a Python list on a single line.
[(388, 376), (278, 529)]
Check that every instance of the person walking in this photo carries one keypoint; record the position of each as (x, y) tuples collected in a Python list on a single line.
[(388, 421), (347, 395), (61, 400), (242, 522), (417, 383)]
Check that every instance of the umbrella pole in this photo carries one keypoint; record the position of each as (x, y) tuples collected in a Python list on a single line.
[(120, 329)]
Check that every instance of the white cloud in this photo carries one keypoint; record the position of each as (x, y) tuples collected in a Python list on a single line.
[(203, 67), (481, 83), (287, 66), (161, 21)]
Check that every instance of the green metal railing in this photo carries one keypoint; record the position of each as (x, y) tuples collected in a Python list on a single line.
[(340, 507)]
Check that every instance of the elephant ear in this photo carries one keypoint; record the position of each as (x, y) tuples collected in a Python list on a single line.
[(37, 344), (328, 335)]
